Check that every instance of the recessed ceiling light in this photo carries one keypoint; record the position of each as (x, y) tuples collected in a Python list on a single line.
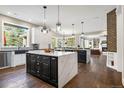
[(9, 13)]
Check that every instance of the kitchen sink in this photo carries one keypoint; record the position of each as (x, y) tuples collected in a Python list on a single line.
[(20, 51)]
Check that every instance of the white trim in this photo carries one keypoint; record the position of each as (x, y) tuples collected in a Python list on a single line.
[(15, 24), (122, 82), (123, 47), (2, 34), (4, 67)]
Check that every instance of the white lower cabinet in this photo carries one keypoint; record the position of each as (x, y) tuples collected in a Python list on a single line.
[(19, 59)]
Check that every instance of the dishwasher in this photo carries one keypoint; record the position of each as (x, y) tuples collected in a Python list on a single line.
[(5, 59)]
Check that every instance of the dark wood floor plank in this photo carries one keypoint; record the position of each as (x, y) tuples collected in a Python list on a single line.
[(96, 74), (92, 75)]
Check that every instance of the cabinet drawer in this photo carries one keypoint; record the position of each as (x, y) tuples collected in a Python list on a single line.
[(38, 58), (45, 57), (33, 57)]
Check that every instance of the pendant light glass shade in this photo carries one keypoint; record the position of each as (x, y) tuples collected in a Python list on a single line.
[(58, 24), (82, 36), (58, 27), (44, 28)]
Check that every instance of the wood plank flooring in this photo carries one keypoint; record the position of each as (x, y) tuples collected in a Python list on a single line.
[(92, 75)]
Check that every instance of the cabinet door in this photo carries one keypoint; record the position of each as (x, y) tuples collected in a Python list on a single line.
[(23, 58), (17, 59), (82, 56), (54, 69), (45, 67), (33, 64), (28, 63)]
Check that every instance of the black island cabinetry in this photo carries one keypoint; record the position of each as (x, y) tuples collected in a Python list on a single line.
[(43, 67)]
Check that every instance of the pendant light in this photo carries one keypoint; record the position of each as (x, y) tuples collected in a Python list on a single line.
[(58, 24), (73, 30), (44, 28), (82, 36)]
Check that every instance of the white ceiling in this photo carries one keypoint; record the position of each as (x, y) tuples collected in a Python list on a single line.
[(94, 16)]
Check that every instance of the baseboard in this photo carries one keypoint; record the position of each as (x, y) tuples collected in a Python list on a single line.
[(12, 67), (5, 67), (118, 70), (20, 65), (112, 67)]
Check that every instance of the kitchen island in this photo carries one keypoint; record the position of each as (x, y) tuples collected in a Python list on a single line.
[(56, 68), (83, 54)]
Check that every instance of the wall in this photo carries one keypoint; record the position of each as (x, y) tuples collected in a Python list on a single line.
[(43, 39), (120, 39), (120, 43)]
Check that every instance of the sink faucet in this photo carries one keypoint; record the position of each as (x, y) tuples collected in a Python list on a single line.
[(19, 47)]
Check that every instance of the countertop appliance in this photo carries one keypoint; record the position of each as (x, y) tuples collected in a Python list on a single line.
[(35, 46)]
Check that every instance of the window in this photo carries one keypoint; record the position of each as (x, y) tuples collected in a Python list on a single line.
[(70, 41), (53, 42), (15, 35)]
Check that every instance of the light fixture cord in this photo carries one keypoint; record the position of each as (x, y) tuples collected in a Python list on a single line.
[(82, 27), (73, 28), (44, 15), (58, 13)]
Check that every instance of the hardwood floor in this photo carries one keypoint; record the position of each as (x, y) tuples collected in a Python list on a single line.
[(94, 74)]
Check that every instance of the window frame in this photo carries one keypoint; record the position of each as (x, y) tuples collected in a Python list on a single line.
[(18, 25)]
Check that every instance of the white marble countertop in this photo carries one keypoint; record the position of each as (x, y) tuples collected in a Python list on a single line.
[(55, 53)]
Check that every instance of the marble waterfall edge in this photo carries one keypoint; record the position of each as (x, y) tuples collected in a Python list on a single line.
[(67, 68)]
